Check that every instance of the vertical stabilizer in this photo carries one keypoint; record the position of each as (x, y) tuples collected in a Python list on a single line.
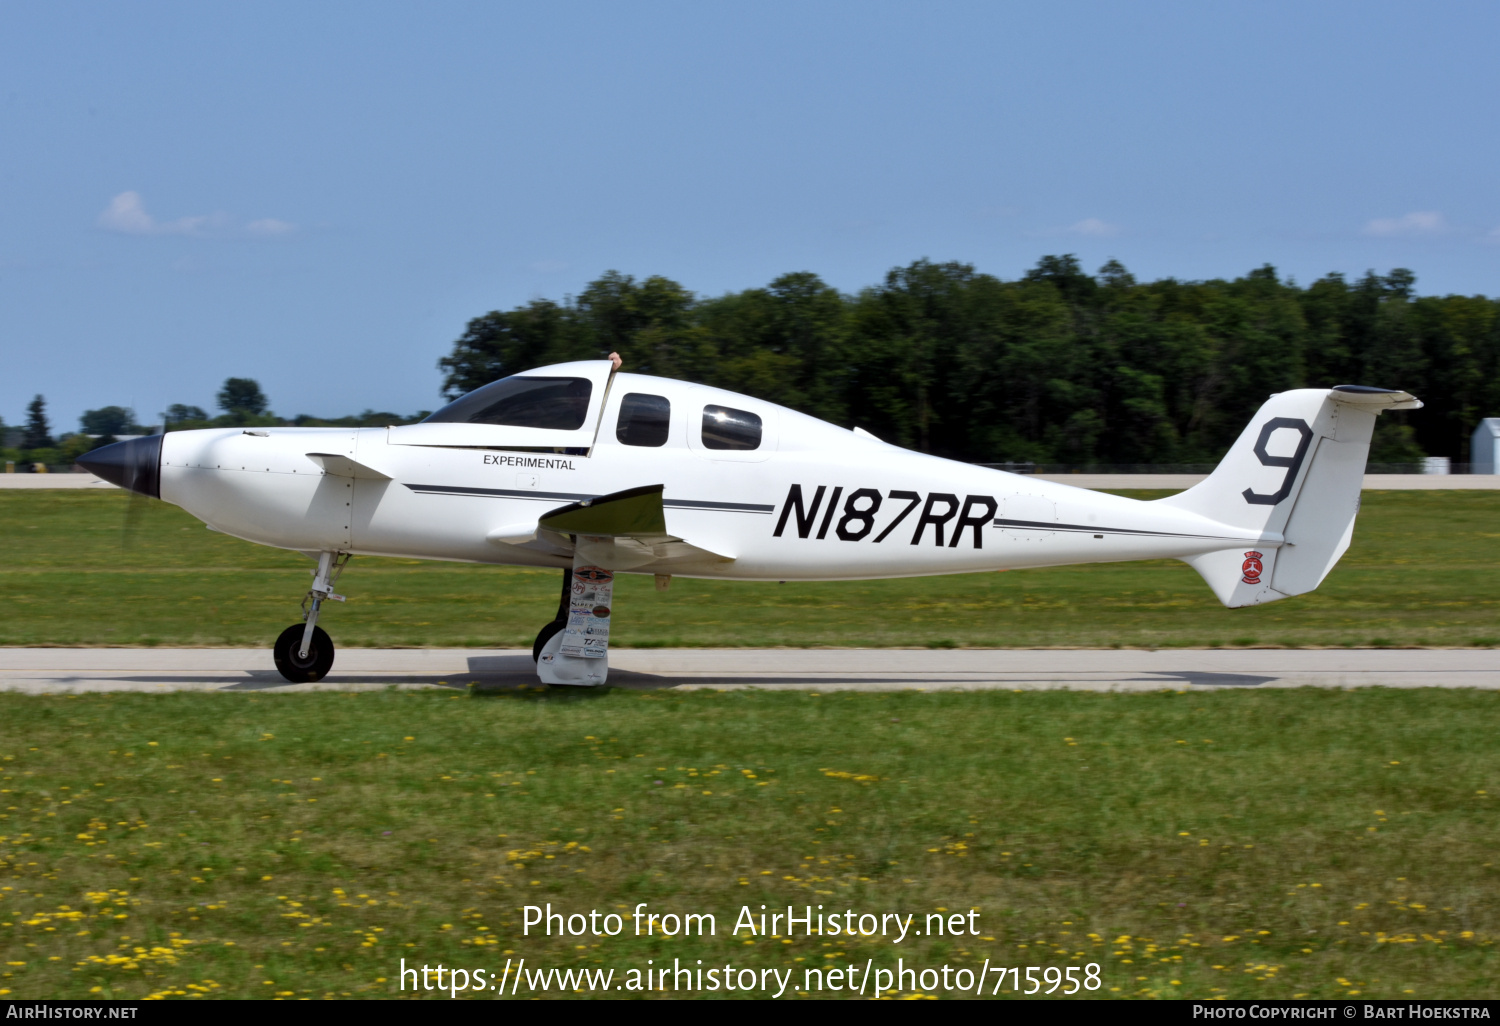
[(1293, 475)]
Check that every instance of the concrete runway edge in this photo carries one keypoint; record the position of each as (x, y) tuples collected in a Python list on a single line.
[(78, 670)]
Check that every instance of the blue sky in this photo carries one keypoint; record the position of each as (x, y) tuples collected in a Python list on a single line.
[(320, 195)]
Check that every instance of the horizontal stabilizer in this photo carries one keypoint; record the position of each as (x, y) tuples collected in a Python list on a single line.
[(343, 466), (1376, 399)]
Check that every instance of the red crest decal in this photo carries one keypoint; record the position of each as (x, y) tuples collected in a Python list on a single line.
[(1252, 568)]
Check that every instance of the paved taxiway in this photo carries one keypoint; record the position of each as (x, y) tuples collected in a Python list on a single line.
[(64, 670)]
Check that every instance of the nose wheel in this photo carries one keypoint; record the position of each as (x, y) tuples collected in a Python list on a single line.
[(304, 651), (296, 667)]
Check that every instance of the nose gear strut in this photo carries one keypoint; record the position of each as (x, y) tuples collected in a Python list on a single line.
[(330, 566), (304, 651)]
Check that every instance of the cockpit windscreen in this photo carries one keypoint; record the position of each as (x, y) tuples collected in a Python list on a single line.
[(561, 404)]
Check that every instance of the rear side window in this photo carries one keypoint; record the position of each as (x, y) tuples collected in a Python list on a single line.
[(725, 428), (561, 404), (644, 419)]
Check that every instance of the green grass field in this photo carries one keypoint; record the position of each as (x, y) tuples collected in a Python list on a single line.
[(1232, 843), (1424, 570)]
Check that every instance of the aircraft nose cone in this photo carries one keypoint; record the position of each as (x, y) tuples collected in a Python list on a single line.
[(134, 464)]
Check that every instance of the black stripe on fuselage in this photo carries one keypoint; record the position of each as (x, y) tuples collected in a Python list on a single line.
[(1048, 525), (531, 493), (750, 507), (497, 493), (733, 507)]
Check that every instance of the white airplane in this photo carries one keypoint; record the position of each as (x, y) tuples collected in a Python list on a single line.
[(597, 472)]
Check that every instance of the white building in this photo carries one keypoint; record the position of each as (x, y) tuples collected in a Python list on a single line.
[(1484, 450)]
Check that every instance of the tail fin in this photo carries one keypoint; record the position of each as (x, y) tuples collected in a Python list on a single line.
[(1293, 475)]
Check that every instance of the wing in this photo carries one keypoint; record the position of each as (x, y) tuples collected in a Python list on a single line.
[(624, 530), (635, 513)]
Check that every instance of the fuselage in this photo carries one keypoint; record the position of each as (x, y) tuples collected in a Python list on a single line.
[(809, 501)]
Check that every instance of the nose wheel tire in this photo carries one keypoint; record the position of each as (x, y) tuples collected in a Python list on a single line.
[(291, 665), (544, 636)]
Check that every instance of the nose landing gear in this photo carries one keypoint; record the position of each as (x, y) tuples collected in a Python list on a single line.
[(304, 651)]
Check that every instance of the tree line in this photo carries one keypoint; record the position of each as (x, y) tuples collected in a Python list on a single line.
[(1059, 366), (241, 403)]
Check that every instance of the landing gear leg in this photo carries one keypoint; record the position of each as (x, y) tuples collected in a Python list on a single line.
[(304, 651), (560, 621), (577, 651)]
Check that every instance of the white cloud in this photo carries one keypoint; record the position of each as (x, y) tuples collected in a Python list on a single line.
[(1093, 227), (270, 226), (127, 215), (1418, 222)]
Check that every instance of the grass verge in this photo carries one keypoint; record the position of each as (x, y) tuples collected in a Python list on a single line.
[(1422, 571), (1232, 843)]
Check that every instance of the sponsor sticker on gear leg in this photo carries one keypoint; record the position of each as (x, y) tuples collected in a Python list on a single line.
[(587, 632)]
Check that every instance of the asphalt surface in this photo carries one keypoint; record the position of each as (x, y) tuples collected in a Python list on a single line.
[(64, 670)]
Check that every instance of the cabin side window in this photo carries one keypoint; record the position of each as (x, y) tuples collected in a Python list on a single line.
[(644, 420), (726, 428), (560, 404)]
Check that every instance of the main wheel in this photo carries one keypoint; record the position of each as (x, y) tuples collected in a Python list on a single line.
[(292, 666), (543, 636)]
